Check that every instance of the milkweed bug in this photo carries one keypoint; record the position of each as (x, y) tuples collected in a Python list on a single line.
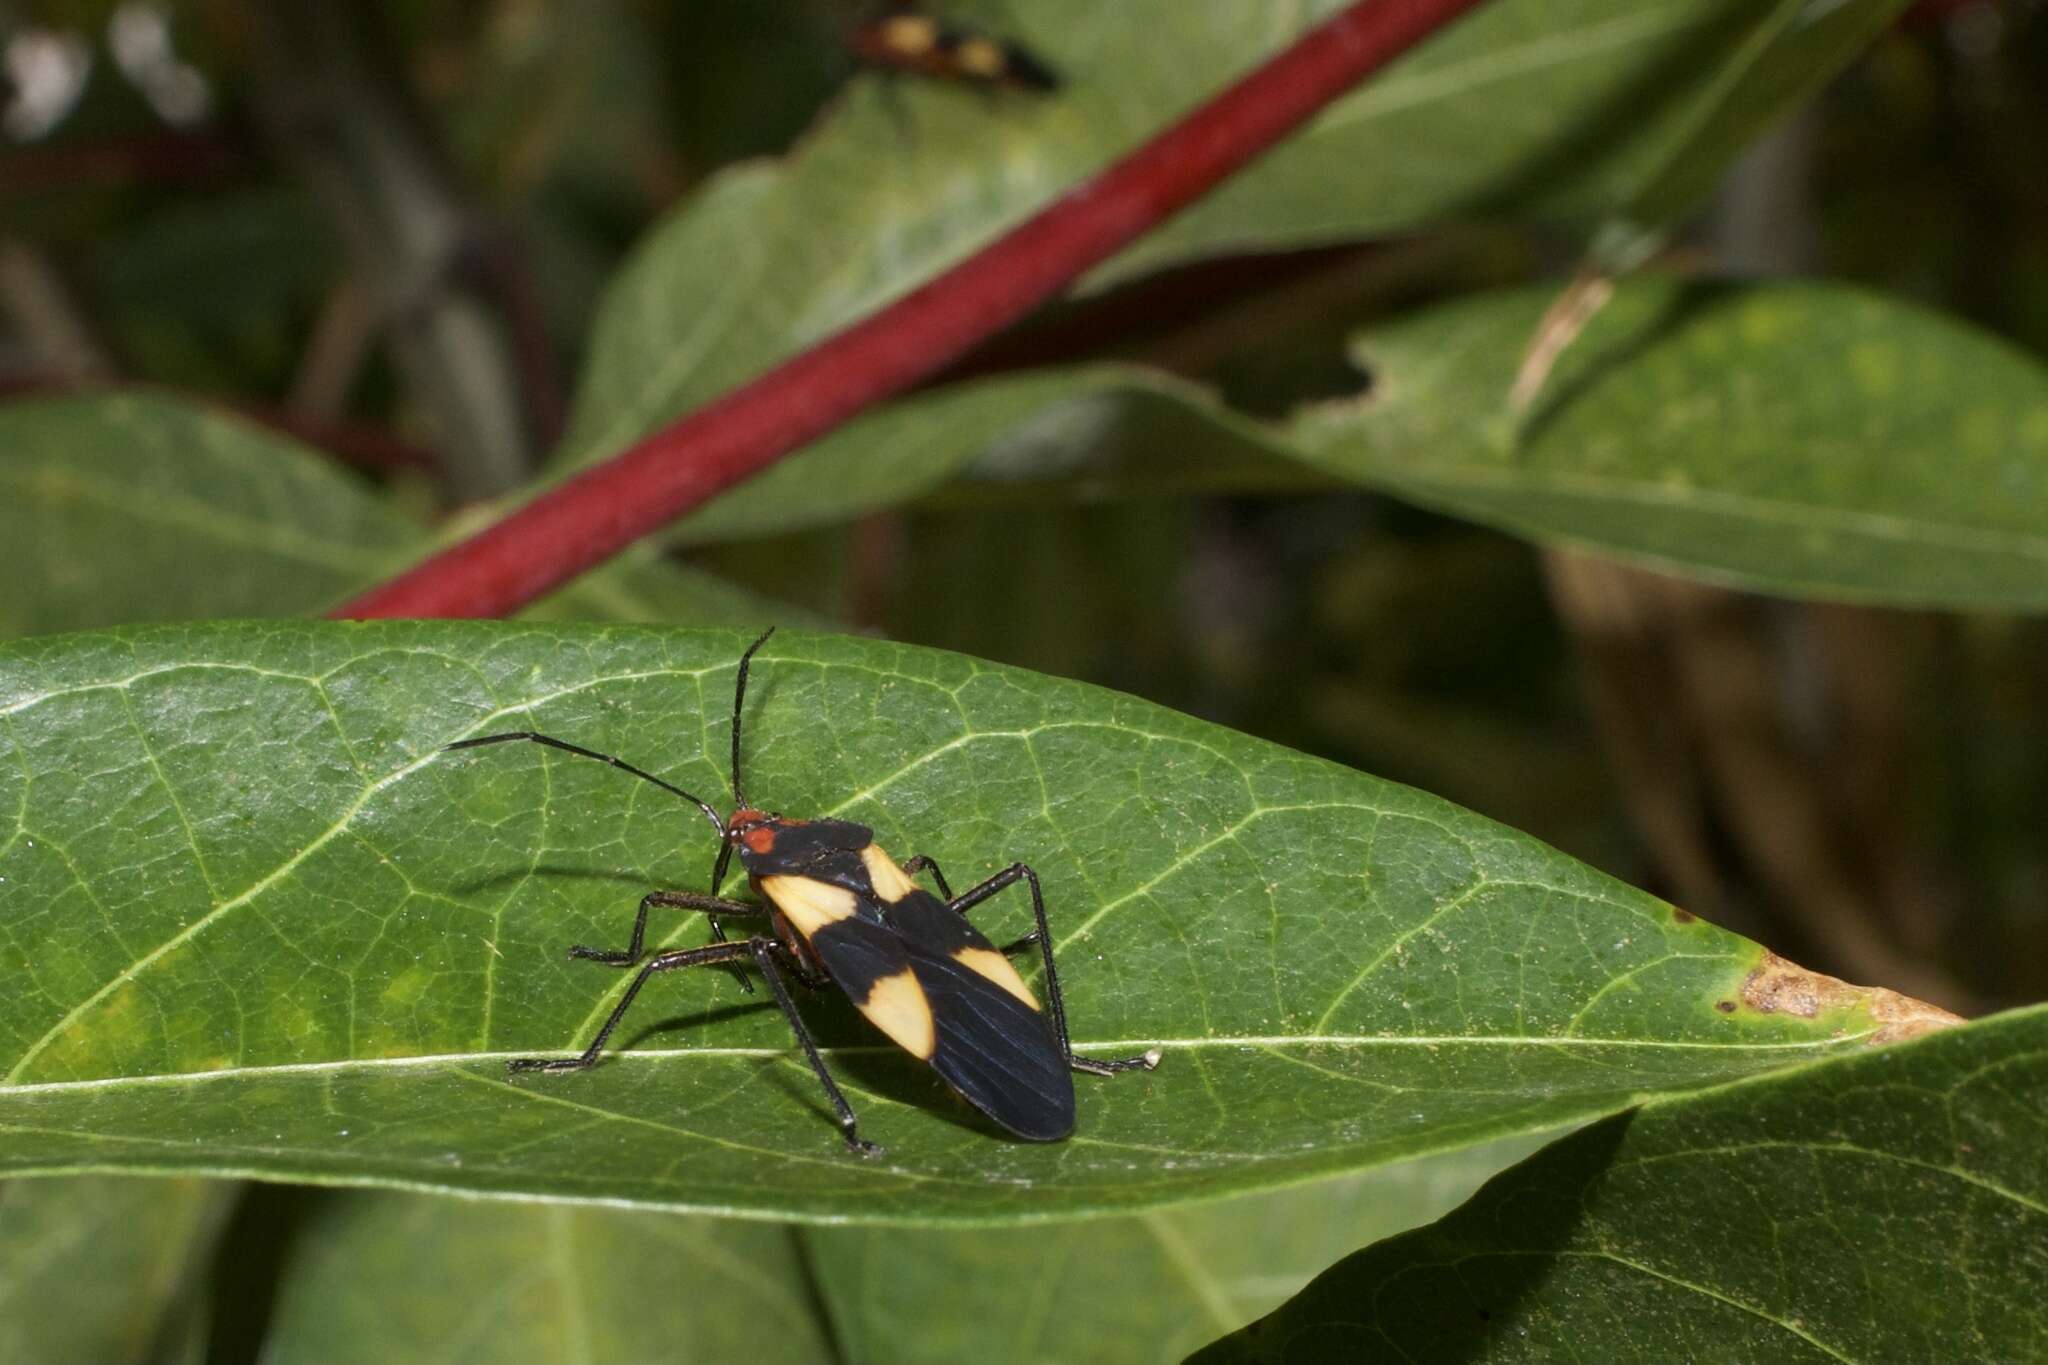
[(844, 913), (907, 41)]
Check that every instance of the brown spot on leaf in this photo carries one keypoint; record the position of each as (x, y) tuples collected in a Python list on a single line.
[(1682, 916), (1781, 987), (1725, 1006)]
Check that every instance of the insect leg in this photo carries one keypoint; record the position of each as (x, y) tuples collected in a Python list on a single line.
[(763, 950), (921, 862), (725, 847), (660, 962), (675, 900), (1017, 872)]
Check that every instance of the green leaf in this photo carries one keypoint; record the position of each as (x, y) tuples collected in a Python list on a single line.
[(903, 451), (260, 924), (1516, 108), (1782, 59), (138, 507), (141, 507), (1148, 1287), (1892, 1206), (1796, 438), (383, 1276), (98, 1269)]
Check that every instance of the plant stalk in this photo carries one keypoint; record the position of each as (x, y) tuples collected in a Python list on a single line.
[(586, 520)]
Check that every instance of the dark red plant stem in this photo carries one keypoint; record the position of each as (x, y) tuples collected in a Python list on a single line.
[(190, 159), (588, 519)]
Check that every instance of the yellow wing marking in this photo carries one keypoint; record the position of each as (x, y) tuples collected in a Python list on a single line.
[(806, 903), (896, 1005), (989, 963), (891, 883)]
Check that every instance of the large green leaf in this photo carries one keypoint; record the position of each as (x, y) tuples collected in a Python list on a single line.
[(99, 1270), (144, 507), (380, 1276), (261, 925), (1793, 437), (1877, 1208), (1121, 1291), (1519, 107)]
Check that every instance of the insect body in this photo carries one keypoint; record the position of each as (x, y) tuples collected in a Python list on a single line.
[(840, 910), (917, 43)]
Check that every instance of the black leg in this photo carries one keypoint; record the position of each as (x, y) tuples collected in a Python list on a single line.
[(672, 900), (725, 847), (660, 962), (763, 951), (921, 862), (764, 958), (1017, 872)]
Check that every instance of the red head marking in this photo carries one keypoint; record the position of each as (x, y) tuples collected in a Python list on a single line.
[(755, 829)]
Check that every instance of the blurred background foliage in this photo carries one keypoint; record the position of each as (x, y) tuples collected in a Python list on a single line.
[(1857, 787)]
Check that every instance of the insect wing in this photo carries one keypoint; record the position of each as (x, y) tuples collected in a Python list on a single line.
[(867, 960), (994, 1045)]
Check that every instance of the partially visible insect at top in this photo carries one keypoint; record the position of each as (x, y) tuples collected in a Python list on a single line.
[(905, 40), (840, 911)]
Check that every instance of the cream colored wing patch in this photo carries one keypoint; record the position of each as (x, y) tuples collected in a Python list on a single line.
[(891, 882), (987, 962), (807, 903), (896, 1005)]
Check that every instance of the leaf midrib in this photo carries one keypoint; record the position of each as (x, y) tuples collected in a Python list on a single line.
[(428, 1061)]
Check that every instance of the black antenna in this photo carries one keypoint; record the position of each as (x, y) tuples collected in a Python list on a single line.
[(739, 801), (580, 751), (739, 699)]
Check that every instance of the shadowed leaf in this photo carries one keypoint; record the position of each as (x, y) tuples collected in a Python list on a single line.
[(1892, 1206), (1147, 1287), (382, 1276), (103, 1268)]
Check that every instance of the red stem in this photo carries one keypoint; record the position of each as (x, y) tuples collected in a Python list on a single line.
[(586, 520)]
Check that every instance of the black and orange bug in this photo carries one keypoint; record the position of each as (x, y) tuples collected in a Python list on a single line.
[(842, 912), (904, 40)]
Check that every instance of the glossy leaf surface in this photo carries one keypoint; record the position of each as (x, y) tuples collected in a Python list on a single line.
[(264, 926)]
